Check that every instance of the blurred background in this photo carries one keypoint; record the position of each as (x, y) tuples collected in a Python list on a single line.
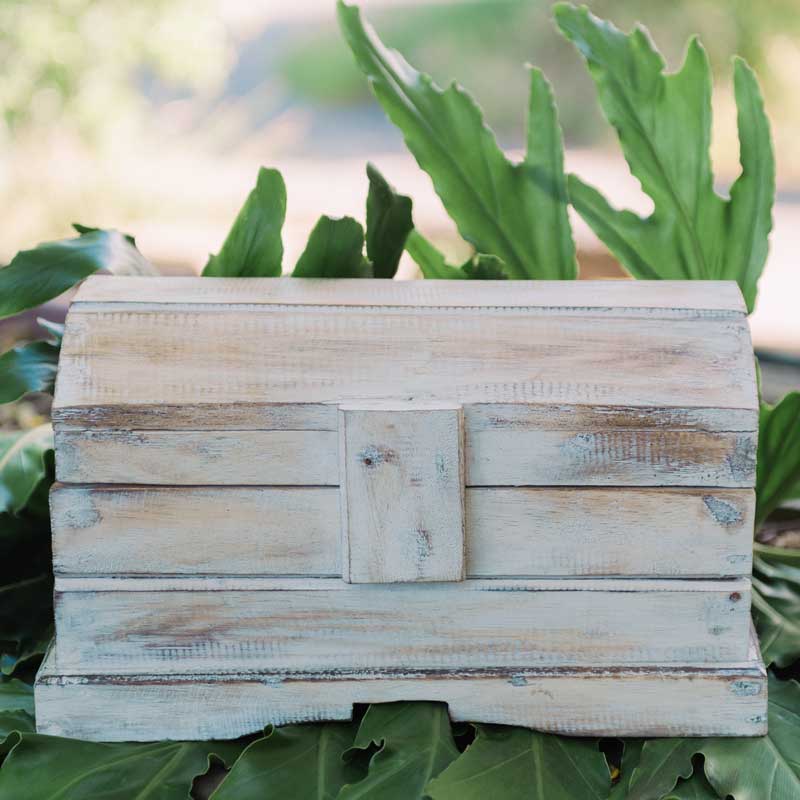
[(153, 117)]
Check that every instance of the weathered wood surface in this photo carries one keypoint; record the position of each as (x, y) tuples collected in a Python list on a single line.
[(196, 530), (728, 700), (132, 355), (280, 458), (107, 530), (218, 624), (198, 415), (663, 295), (493, 457), (402, 493)]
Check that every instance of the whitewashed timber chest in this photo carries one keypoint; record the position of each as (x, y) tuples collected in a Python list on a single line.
[(278, 497)]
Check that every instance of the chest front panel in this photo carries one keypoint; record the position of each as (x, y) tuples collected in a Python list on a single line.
[(279, 475)]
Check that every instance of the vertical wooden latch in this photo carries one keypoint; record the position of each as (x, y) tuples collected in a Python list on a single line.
[(402, 492)]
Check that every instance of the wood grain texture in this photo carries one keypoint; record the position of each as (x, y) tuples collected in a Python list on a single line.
[(402, 493), (196, 530), (106, 530), (138, 356), (583, 531), (610, 458), (728, 700), (664, 295), (222, 624), (496, 456), (279, 458), (196, 415)]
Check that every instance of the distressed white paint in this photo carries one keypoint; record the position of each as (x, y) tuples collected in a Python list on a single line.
[(727, 700), (402, 493), (662, 295), (282, 458), (195, 530), (213, 407), (133, 355), (214, 624), (215, 530), (494, 457)]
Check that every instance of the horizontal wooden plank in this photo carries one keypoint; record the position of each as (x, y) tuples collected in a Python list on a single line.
[(202, 416), (132, 356), (697, 295), (494, 457), (123, 625), (477, 417), (196, 530), (728, 700), (585, 532), (610, 458), (278, 458), (106, 530)]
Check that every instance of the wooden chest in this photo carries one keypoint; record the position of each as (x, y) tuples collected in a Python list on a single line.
[(278, 497)]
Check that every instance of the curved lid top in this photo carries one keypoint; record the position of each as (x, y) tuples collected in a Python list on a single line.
[(138, 349)]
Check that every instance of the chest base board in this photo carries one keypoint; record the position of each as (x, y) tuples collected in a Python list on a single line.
[(726, 700)]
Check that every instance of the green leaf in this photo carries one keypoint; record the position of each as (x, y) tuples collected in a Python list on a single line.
[(663, 122), (776, 610), (298, 761), (516, 763), (516, 212), (777, 555), (778, 465), (35, 276), (764, 768), (28, 649), (28, 368), (434, 266), (15, 696), (388, 224), (254, 248), (18, 721), (631, 755), (760, 768), (484, 268), (52, 768), (662, 763), (695, 788), (334, 250), (22, 465), (430, 260), (416, 744)]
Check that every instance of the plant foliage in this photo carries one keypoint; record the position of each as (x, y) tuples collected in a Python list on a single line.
[(516, 212), (414, 744), (433, 264), (388, 224), (519, 764), (28, 368), (22, 465), (334, 250), (515, 216), (778, 467), (35, 276), (664, 127), (761, 768), (254, 248), (272, 762), (40, 767)]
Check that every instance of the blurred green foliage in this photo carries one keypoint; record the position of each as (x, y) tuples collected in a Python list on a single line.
[(483, 43), (77, 60)]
